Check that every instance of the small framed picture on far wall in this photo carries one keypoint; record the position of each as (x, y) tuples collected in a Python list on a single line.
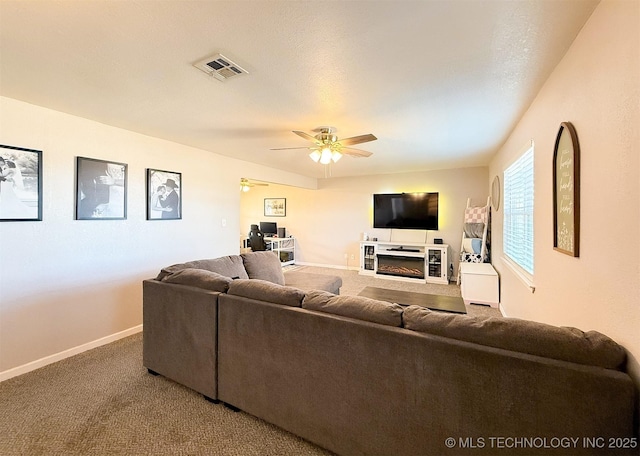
[(275, 207), (164, 195)]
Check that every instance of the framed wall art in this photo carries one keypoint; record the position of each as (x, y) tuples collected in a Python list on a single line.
[(20, 184), (101, 189), (566, 191), (164, 195), (496, 190), (275, 207)]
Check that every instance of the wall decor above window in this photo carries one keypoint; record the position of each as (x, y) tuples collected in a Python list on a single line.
[(20, 184)]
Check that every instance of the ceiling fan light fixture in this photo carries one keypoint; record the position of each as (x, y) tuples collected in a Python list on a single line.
[(327, 148), (325, 156)]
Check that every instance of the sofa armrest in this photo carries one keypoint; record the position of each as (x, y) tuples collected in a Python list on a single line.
[(180, 334)]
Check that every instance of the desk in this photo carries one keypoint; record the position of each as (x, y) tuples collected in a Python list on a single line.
[(285, 248), (479, 284)]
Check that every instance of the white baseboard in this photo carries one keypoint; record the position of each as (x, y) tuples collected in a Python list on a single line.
[(502, 311), (37, 364), (331, 266)]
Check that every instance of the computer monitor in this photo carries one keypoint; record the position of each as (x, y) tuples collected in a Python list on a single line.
[(269, 229)]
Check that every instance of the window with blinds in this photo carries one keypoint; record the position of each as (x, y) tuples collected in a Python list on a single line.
[(518, 212)]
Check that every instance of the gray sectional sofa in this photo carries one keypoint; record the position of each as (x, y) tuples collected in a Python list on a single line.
[(360, 376), (180, 312)]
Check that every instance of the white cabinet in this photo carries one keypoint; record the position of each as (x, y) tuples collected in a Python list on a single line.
[(285, 248), (437, 263), (479, 284), (367, 258), (407, 261)]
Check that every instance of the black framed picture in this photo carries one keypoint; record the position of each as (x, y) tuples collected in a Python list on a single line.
[(275, 207), (101, 189), (20, 184), (164, 195)]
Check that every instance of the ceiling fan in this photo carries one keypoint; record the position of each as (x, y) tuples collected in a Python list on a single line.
[(327, 147), (246, 184)]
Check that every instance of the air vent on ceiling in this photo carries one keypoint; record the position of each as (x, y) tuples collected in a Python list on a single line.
[(220, 67)]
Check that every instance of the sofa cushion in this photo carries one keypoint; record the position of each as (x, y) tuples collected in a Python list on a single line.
[(263, 290), (229, 266), (200, 278), (308, 281), (263, 266), (382, 312), (563, 343)]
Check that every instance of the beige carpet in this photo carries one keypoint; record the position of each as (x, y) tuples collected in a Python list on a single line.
[(103, 402)]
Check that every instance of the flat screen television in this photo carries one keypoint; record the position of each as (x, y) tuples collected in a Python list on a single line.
[(408, 211)]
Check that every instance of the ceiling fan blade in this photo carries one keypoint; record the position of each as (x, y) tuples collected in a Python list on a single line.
[(306, 136), (355, 152), (291, 148), (357, 139)]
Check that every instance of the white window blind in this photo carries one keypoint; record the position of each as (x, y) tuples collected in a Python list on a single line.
[(518, 212)]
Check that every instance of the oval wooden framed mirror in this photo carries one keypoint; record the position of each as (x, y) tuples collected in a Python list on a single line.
[(495, 193)]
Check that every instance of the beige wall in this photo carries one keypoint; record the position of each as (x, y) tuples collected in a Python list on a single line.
[(329, 222), (65, 283), (597, 88)]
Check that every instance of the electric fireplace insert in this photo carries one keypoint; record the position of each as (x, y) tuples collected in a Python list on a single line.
[(401, 266)]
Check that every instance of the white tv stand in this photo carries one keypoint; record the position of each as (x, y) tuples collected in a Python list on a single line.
[(407, 261)]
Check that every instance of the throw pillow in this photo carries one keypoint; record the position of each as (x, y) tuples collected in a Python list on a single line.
[(263, 290), (200, 278), (228, 266), (263, 266), (168, 270), (472, 245)]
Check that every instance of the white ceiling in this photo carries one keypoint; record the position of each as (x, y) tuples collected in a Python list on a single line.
[(440, 83)]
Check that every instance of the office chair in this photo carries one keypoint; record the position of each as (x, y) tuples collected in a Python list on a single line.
[(256, 239)]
